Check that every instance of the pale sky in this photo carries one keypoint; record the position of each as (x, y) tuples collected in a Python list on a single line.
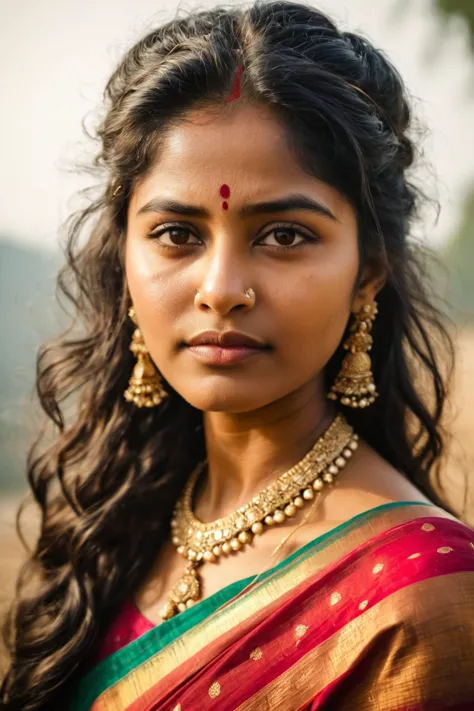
[(56, 55)]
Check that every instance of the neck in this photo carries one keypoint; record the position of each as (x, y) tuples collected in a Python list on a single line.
[(248, 451)]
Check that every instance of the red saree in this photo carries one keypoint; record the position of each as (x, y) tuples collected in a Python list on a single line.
[(378, 615)]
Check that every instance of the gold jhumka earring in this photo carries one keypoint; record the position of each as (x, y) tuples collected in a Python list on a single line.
[(354, 385), (145, 387)]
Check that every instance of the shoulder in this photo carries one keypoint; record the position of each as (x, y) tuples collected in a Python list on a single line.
[(368, 482), (435, 642), (426, 561), (438, 603), (416, 641)]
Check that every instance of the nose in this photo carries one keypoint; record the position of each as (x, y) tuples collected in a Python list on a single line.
[(226, 282)]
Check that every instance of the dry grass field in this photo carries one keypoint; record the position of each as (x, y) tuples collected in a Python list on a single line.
[(461, 460)]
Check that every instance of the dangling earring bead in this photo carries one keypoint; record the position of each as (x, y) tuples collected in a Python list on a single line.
[(354, 385), (145, 386)]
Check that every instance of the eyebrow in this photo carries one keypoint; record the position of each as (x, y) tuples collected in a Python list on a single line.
[(295, 201)]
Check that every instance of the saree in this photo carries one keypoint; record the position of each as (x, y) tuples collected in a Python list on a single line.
[(377, 614)]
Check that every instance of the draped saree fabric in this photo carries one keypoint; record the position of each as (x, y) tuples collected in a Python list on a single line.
[(377, 614)]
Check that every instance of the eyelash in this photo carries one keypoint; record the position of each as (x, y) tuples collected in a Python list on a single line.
[(169, 226)]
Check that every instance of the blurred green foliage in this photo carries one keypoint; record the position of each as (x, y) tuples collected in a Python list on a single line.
[(458, 253), (465, 8)]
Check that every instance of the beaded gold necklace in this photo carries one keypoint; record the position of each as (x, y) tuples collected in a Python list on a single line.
[(201, 542)]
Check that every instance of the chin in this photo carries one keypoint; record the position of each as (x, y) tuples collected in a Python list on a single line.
[(231, 398)]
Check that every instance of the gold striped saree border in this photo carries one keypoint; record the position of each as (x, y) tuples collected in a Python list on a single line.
[(204, 641), (399, 677)]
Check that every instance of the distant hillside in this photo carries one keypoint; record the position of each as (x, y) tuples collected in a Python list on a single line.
[(28, 315)]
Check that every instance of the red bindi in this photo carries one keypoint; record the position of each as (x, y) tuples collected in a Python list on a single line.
[(224, 192)]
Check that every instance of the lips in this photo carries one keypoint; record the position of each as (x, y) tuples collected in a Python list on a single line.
[(225, 339)]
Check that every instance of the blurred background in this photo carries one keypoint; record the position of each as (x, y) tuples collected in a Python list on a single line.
[(55, 58)]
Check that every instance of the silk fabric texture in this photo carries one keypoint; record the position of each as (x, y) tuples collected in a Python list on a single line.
[(377, 614)]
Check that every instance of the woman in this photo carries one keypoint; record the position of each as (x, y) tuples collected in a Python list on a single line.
[(256, 374)]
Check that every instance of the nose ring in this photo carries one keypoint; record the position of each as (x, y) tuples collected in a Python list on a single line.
[(249, 293)]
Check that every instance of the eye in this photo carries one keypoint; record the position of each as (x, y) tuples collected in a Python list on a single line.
[(177, 234), (287, 234)]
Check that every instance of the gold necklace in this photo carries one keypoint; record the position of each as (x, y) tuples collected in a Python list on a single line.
[(201, 543)]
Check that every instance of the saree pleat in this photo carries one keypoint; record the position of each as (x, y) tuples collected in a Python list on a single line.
[(373, 615)]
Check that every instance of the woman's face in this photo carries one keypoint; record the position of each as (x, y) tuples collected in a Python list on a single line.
[(221, 247)]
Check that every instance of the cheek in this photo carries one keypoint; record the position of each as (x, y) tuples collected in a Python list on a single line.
[(154, 291), (314, 313)]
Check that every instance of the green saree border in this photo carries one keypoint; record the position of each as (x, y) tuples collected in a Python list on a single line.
[(113, 668)]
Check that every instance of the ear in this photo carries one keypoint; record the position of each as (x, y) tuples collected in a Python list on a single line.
[(373, 279)]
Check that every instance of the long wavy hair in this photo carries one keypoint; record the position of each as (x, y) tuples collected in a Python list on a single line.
[(112, 468)]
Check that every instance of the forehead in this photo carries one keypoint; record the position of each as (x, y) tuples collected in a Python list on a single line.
[(239, 142), (244, 146)]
